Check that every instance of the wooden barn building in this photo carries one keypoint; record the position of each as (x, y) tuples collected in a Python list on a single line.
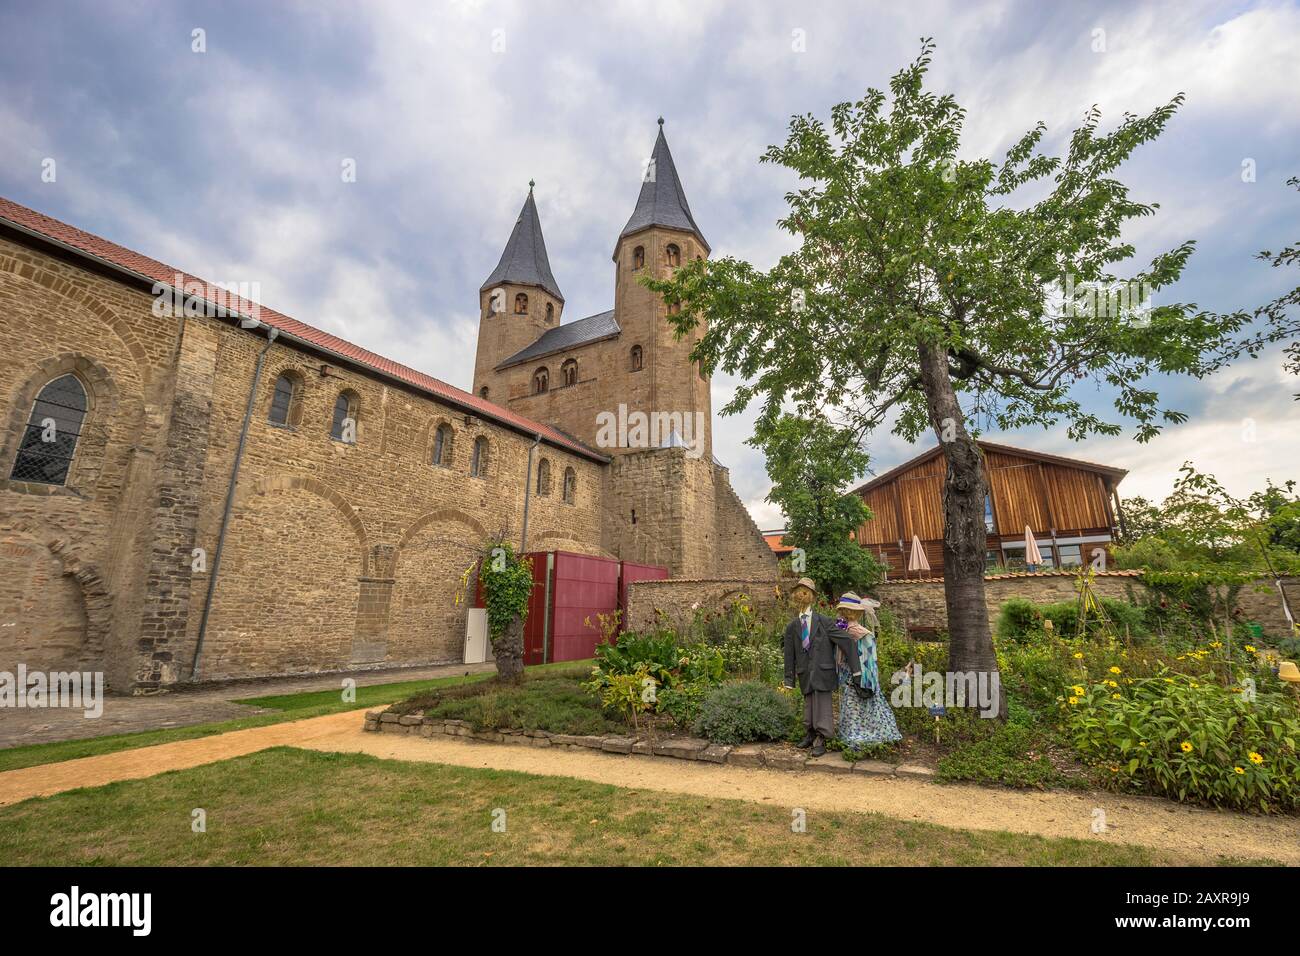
[(1071, 506)]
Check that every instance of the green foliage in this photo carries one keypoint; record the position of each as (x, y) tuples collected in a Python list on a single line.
[(630, 694), (558, 704), (810, 462), (656, 654), (507, 583), (1021, 619), (745, 711), (682, 703), (1010, 754), (1190, 739)]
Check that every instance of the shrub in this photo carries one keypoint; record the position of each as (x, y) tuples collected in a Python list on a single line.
[(555, 703), (1022, 620), (1191, 740), (682, 703), (745, 711), (656, 654), (1009, 753)]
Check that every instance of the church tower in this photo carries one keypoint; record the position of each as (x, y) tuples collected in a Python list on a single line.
[(518, 302), (660, 236)]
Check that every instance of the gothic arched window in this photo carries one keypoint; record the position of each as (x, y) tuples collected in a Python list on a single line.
[(50, 440), (638, 257), (636, 358), (442, 442), (521, 304), (673, 255), (479, 463), (569, 372), (544, 478), (344, 426), (541, 380), (570, 486), (550, 312)]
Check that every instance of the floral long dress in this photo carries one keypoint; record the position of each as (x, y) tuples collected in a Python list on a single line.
[(865, 721)]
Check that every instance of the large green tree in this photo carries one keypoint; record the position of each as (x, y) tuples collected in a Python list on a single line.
[(810, 462), (925, 290)]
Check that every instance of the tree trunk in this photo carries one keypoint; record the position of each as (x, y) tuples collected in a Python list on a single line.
[(965, 539), (508, 649)]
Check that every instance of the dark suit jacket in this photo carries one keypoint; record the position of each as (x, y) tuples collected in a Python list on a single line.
[(815, 667)]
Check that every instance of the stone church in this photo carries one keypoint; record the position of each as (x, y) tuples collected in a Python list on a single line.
[(197, 487)]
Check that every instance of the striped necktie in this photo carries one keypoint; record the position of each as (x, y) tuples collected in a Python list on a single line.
[(805, 631)]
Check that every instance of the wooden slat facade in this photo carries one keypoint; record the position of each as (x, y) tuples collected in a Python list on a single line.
[(1060, 499)]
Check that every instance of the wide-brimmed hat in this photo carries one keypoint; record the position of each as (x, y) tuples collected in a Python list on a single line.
[(805, 583), (1288, 671), (850, 602)]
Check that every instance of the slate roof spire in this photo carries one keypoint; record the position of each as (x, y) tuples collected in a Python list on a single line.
[(524, 260), (662, 201)]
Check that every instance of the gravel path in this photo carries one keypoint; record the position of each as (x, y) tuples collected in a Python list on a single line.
[(1137, 820)]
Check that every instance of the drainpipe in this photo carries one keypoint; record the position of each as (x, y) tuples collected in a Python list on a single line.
[(528, 494), (271, 335)]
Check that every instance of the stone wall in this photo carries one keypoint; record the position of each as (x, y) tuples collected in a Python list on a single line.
[(920, 604), (678, 599)]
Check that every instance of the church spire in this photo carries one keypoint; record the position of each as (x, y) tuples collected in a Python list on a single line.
[(524, 261), (662, 201)]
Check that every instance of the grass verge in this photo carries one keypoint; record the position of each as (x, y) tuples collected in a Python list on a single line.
[(286, 806)]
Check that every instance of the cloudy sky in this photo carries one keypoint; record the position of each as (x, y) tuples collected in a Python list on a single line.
[(227, 162)]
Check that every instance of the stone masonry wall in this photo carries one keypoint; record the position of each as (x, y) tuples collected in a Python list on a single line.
[(678, 599)]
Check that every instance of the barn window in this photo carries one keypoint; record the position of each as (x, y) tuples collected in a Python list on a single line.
[(544, 478), (479, 463), (50, 439), (673, 255), (570, 486), (569, 372), (638, 257), (344, 426), (636, 361), (286, 390), (521, 304), (541, 380), (442, 442)]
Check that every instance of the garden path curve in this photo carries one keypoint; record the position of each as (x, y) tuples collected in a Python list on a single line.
[(1135, 820)]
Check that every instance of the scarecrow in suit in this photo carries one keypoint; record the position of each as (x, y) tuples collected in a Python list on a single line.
[(810, 643)]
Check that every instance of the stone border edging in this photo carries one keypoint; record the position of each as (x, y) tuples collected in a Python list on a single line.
[(770, 756)]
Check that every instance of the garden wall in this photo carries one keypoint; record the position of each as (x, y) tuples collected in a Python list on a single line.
[(920, 604), (678, 598)]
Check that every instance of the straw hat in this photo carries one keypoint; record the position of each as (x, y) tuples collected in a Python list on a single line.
[(805, 583), (1287, 671), (850, 602)]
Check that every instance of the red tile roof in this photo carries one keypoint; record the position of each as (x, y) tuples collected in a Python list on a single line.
[(776, 541), (84, 243)]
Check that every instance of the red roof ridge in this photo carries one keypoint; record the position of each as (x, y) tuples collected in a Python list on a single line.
[(87, 244)]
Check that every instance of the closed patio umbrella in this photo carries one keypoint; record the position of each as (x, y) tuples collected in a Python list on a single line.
[(916, 561), (1033, 557)]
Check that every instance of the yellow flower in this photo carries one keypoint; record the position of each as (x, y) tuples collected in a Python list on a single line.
[(1078, 656), (1216, 643), (1194, 684), (1078, 690), (1111, 683), (1187, 747), (1116, 670), (1255, 758), (1142, 743), (1250, 649), (1074, 700), (1237, 770), (1116, 696)]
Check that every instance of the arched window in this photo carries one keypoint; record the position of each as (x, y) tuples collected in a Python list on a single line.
[(344, 426), (638, 257), (478, 465), (550, 312), (636, 359), (570, 486), (569, 372), (544, 478), (521, 304), (673, 255), (541, 380), (50, 440), (442, 445), (483, 392), (286, 390)]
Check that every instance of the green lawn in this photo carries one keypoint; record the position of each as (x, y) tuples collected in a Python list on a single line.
[(296, 807), (287, 707)]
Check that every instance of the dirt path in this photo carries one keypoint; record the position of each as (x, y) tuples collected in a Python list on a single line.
[(1136, 820)]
